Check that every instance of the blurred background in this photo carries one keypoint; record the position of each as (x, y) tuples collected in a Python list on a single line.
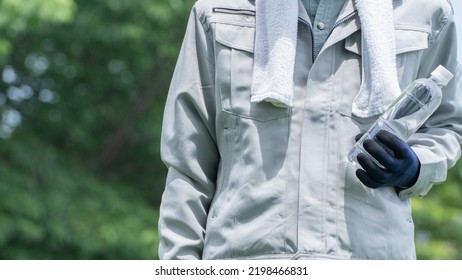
[(82, 89)]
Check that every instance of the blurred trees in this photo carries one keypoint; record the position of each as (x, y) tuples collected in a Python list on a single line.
[(81, 100), (438, 219)]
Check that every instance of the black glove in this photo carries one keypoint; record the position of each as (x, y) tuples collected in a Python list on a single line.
[(401, 166)]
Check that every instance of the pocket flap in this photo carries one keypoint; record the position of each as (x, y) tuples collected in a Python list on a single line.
[(406, 41), (410, 40), (236, 37)]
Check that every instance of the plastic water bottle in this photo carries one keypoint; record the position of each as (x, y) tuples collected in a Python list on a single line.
[(408, 112)]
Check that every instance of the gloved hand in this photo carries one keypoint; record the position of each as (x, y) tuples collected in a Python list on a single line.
[(401, 165)]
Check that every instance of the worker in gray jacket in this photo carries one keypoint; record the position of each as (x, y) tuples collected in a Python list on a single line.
[(265, 103)]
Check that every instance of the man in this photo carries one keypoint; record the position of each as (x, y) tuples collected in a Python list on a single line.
[(265, 178)]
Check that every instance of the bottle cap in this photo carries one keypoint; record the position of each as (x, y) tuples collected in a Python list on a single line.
[(442, 75)]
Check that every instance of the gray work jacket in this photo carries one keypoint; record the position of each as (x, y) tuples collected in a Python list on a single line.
[(254, 181)]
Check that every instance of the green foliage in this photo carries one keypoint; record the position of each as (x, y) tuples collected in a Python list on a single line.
[(84, 83), (18, 16), (53, 208), (438, 219)]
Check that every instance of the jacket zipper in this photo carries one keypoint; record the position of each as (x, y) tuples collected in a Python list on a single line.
[(310, 27), (230, 11), (342, 21)]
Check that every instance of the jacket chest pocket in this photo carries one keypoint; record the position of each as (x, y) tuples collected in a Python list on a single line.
[(410, 45), (234, 66)]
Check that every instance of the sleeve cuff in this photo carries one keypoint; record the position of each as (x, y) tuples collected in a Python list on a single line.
[(430, 173)]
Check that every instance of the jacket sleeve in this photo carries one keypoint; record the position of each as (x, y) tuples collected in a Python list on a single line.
[(188, 147), (437, 143)]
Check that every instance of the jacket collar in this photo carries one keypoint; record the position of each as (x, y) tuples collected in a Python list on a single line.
[(302, 14), (351, 24), (341, 31), (347, 9)]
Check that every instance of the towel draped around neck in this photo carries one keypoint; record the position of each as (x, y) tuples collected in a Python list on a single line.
[(275, 49)]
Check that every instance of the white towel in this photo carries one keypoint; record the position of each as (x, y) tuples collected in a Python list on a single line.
[(275, 45), (380, 85)]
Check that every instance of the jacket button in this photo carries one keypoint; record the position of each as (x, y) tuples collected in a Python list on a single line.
[(321, 25)]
